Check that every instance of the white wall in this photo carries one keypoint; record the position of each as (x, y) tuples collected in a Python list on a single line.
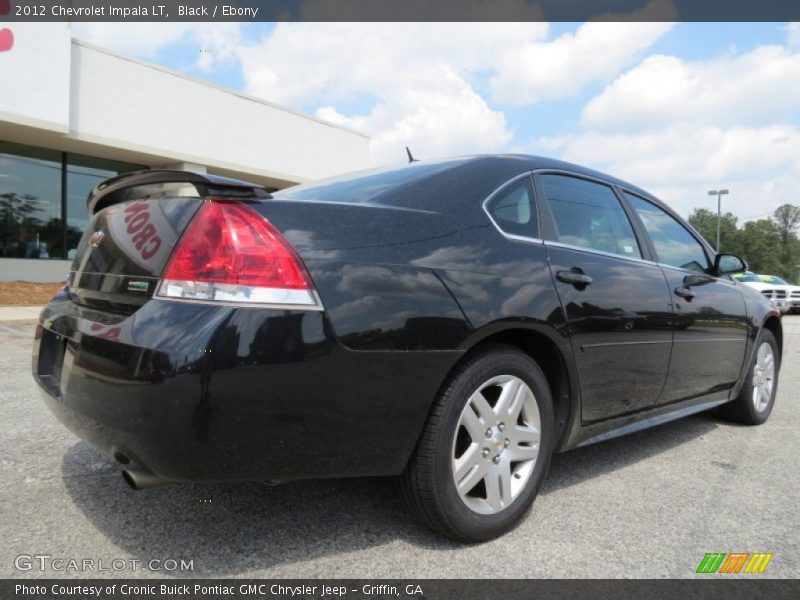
[(35, 76), (72, 96), (129, 104)]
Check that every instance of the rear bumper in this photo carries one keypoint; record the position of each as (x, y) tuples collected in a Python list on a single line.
[(202, 393)]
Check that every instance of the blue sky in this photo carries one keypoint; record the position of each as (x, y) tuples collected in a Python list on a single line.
[(690, 41), (677, 108)]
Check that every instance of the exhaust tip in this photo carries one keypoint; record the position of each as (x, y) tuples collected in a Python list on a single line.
[(141, 480), (126, 476)]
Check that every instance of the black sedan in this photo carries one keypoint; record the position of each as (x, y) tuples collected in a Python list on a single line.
[(454, 322)]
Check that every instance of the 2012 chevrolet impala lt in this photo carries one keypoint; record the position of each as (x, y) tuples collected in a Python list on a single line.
[(454, 322)]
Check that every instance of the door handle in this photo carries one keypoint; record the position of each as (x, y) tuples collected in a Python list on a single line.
[(694, 280), (684, 292), (574, 277)]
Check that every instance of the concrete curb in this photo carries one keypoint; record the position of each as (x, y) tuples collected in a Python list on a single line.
[(20, 313)]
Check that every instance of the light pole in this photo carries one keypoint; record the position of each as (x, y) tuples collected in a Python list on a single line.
[(719, 194)]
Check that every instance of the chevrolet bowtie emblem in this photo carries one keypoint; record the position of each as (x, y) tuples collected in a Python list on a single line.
[(96, 238)]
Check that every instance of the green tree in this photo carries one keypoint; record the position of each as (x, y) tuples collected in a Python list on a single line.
[(15, 213), (763, 247), (787, 218), (705, 222), (16, 208)]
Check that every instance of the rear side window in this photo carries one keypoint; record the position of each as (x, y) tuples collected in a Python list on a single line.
[(514, 211), (674, 245), (589, 215)]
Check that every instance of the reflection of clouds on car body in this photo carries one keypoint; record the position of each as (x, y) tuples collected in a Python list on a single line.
[(391, 282)]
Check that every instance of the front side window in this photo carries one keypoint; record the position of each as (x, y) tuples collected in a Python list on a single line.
[(674, 245), (513, 209), (589, 215)]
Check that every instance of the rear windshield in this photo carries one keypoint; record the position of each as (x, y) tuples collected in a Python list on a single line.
[(364, 186)]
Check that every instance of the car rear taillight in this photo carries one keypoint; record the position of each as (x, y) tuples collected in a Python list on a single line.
[(230, 253)]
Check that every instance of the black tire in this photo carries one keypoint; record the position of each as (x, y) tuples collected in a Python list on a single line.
[(742, 409), (428, 479)]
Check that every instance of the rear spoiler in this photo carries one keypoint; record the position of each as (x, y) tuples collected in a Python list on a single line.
[(151, 183)]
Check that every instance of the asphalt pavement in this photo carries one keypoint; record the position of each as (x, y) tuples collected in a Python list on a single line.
[(647, 505)]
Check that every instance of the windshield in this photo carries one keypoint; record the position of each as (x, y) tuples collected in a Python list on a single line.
[(772, 279), (746, 277)]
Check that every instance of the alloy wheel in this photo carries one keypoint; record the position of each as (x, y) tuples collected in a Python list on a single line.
[(496, 444), (763, 377)]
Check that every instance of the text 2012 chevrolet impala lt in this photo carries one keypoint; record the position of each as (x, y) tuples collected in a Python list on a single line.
[(455, 322)]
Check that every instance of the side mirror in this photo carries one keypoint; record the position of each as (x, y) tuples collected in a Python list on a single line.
[(724, 264)]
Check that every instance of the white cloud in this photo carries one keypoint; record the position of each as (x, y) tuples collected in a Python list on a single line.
[(140, 39), (423, 79), (307, 62), (426, 85), (756, 88), (793, 31), (539, 70), (450, 117), (681, 162), (416, 79), (216, 42), (679, 128)]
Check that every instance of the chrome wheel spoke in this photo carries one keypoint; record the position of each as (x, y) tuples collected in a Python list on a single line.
[(506, 496), (522, 434), (483, 408), (473, 424), (510, 401), (472, 478), (521, 453), (471, 459), (492, 483), (498, 487)]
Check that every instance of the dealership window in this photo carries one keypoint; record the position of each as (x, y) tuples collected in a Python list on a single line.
[(39, 190), (30, 201)]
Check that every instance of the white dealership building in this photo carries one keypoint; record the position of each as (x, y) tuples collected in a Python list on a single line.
[(73, 114)]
